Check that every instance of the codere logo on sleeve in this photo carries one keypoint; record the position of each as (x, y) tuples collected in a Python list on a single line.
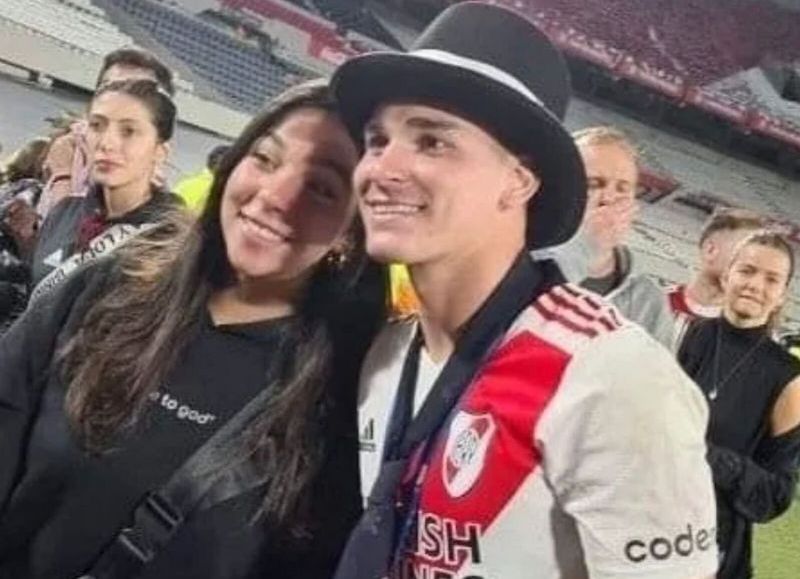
[(663, 548)]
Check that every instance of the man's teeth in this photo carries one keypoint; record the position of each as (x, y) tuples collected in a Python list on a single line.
[(395, 208)]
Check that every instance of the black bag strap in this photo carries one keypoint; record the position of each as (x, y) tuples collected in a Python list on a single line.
[(162, 512), (488, 325)]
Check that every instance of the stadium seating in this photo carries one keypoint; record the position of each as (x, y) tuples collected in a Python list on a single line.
[(76, 23), (242, 71), (327, 22), (752, 89), (352, 15), (323, 31), (716, 44), (703, 40)]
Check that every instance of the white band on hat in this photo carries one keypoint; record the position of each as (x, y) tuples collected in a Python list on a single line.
[(479, 67)]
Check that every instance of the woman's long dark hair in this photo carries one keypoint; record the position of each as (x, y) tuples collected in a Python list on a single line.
[(135, 333)]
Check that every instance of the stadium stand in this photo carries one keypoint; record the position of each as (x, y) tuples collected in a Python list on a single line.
[(77, 23), (286, 42), (353, 15), (320, 30), (703, 40), (244, 72), (328, 41), (683, 49), (753, 89)]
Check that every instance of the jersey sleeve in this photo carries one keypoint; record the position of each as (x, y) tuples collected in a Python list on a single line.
[(623, 448)]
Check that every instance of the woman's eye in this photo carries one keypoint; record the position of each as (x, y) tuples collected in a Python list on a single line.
[(264, 161)]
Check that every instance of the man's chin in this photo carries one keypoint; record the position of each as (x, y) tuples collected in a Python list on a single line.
[(385, 253)]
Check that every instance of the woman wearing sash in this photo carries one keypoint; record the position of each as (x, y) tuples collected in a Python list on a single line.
[(130, 125), (119, 378), (753, 389)]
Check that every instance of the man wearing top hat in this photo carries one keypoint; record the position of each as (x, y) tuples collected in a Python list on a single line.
[(509, 430)]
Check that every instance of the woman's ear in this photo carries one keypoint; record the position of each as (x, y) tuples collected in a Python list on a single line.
[(163, 151)]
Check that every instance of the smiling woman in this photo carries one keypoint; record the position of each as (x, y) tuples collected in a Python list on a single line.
[(290, 197), (144, 357), (753, 389)]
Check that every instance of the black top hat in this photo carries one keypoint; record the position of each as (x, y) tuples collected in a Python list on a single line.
[(495, 68)]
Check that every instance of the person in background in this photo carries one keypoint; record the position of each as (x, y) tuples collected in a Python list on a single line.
[(702, 296), (130, 125), (24, 177), (26, 162), (138, 360), (612, 172), (753, 390), (194, 190), (18, 226), (67, 160)]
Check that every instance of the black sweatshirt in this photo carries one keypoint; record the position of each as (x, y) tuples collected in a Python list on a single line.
[(755, 474), (58, 507)]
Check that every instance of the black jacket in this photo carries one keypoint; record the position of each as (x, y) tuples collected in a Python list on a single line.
[(59, 232), (755, 474), (44, 469), (14, 269)]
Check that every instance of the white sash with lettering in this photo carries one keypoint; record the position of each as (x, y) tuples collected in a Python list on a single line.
[(103, 244)]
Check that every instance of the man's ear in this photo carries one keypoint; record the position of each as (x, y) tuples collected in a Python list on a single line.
[(523, 184)]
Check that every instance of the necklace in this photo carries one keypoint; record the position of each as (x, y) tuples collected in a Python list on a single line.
[(718, 384)]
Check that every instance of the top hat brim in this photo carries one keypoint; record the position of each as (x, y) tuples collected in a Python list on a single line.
[(522, 125)]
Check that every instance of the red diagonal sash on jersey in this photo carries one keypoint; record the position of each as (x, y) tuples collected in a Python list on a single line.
[(485, 457)]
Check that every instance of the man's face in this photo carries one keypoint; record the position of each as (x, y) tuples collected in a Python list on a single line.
[(119, 72), (717, 250), (612, 177), (432, 185)]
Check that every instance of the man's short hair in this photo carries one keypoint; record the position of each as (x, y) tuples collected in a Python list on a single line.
[(731, 219), (215, 156), (605, 135), (138, 58)]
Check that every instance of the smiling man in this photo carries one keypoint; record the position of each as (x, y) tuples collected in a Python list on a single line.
[(503, 434)]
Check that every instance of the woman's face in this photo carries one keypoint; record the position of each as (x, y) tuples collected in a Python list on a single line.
[(123, 142), (289, 200), (755, 284)]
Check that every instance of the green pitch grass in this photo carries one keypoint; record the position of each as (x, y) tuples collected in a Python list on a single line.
[(777, 546)]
